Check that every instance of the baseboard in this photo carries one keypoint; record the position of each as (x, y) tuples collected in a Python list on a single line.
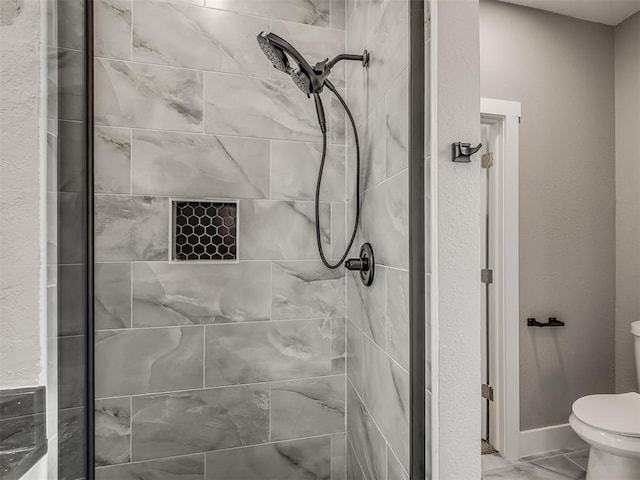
[(556, 437)]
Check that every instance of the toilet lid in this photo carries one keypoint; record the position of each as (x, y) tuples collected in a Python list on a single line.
[(619, 413)]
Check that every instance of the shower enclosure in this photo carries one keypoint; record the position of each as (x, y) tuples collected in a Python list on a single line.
[(218, 345)]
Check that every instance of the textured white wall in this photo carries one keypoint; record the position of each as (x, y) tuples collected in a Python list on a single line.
[(627, 68), (21, 177), (458, 86)]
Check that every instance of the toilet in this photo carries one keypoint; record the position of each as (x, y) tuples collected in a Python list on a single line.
[(610, 424)]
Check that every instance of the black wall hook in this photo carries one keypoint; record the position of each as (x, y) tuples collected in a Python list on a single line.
[(553, 322), (461, 152)]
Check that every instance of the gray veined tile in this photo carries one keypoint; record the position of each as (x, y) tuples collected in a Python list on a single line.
[(71, 440), (112, 160), (131, 228), (385, 221), (386, 395), (307, 407), (200, 38), (395, 471), (189, 467), (338, 14), (373, 150), (135, 361), (71, 374), (368, 443), (339, 456), (71, 310), (308, 459), (494, 461), (355, 356), (71, 144), (112, 28), (199, 165), (199, 421), (260, 352), (70, 18), (294, 171), (397, 125), (580, 458), (312, 12), (258, 107), (112, 298), (338, 120), (113, 431), (339, 230), (338, 345), (184, 294), (354, 471), (366, 306), (70, 227), (148, 96), (315, 44), (307, 290), (554, 468), (398, 316), (274, 230)]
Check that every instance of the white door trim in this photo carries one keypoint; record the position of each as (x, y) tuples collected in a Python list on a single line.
[(504, 117)]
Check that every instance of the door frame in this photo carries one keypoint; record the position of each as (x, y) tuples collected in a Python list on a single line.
[(504, 363)]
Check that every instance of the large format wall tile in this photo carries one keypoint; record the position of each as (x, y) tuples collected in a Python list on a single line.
[(112, 28), (386, 395), (257, 107), (112, 297), (113, 431), (294, 171), (308, 459), (112, 160), (368, 443), (354, 471), (339, 456), (199, 165), (260, 352), (385, 221), (312, 12), (182, 294), (308, 407), (307, 290), (71, 443), (338, 345), (200, 38), (71, 374), (355, 354), (189, 467), (395, 471), (274, 230), (199, 421), (397, 123), (366, 306), (398, 316), (338, 13), (131, 228), (137, 361), (148, 96)]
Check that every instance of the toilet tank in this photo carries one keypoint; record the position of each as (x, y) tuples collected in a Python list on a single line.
[(635, 330)]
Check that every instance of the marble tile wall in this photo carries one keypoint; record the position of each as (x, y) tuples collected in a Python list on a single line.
[(378, 316), (217, 371)]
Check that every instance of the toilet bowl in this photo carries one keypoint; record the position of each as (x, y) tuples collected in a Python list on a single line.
[(610, 424)]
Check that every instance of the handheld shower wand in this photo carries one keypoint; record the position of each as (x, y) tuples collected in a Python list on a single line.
[(311, 80)]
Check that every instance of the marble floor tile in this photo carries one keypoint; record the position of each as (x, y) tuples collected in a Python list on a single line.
[(313, 12), (113, 431), (200, 38), (494, 461), (398, 316), (339, 456), (265, 351), (148, 96), (553, 468), (185, 294), (135, 361), (112, 160), (199, 421), (276, 230), (294, 171), (308, 459), (580, 458), (131, 228), (112, 29), (199, 165), (258, 107), (307, 407), (366, 306), (338, 345), (189, 467), (307, 290), (112, 297)]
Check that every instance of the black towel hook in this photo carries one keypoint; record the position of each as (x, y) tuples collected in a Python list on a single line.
[(462, 151)]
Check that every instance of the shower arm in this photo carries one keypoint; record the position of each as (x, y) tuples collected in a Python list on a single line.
[(364, 58)]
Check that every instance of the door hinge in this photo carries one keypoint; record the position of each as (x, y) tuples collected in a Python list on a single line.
[(487, 160), (486, 275), (487, 392)]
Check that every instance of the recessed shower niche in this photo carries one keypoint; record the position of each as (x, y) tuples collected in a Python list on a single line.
[(204, 230)]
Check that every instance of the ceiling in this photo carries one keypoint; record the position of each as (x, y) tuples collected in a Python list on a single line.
[(609, 12)]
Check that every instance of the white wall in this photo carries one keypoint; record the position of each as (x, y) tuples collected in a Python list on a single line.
[(627, 99), (458, 119), (561, 70)]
